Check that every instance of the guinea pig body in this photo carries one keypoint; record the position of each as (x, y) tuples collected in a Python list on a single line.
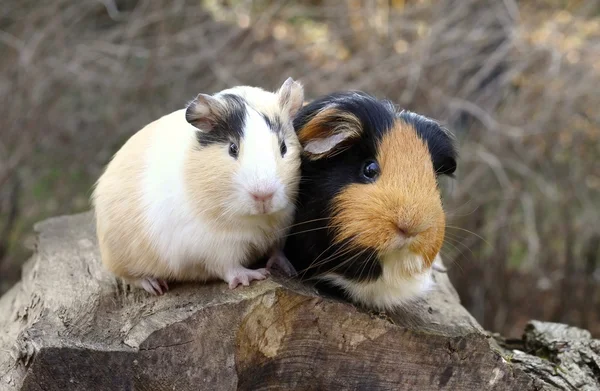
[(201, 193), (370, 221)]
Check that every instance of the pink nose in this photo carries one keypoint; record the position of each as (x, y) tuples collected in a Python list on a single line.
[(405, 232), (262, 196)]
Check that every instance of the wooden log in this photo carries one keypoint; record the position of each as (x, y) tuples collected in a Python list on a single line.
[(69, 325)]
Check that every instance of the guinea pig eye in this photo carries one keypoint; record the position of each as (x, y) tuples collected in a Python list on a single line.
[(233, 150), (371, 170), (282, 148)]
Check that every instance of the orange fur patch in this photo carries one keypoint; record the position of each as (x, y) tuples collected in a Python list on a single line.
[(406, 194), (207, 195)]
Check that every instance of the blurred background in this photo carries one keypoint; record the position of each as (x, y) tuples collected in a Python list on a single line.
[(518, 82)]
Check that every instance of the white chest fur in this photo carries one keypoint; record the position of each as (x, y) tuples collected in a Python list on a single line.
[(393, 288)]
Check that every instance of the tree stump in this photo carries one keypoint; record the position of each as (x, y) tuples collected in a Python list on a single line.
[(69, 325)]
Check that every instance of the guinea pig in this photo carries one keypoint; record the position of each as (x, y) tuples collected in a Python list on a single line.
[(201, 193), (369, 222)]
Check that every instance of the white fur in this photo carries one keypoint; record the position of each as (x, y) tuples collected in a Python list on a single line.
[(180, 236), (258, 166), (393, 288)]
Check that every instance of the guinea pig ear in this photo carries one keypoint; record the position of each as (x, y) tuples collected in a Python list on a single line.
[(327, 131), (291, 96), (203, 112), (440, 142)]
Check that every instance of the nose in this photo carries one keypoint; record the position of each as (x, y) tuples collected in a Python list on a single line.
[(406, 232), (262, 196), (401, 231)]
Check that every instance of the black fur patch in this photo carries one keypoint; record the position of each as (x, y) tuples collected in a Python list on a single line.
[(309, 245), (376, 116), (439, 142), (273, 122), (229, 126)]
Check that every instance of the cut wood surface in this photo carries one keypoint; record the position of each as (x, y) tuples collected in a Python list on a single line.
[(69, 325)]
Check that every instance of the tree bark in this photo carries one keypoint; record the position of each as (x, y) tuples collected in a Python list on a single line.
[(69, 325)]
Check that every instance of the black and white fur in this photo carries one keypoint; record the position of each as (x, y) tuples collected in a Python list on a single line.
[(203, 192)]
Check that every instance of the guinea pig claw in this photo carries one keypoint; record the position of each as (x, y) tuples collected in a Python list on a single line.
[(280, 261), (244, 276), (164, 285), (154, 286)]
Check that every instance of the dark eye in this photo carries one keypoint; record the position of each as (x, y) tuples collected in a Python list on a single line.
[(371, 170), (283, 148), (233, 150)]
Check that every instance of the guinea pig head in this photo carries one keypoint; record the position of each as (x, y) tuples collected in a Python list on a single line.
[(378, 185), (247, 160)]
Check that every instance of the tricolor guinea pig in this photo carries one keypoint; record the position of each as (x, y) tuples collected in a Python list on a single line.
[(201, 193), (369, 222)]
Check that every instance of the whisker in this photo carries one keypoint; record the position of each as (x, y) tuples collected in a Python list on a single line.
[(373, 254), (345, 261), (341, 251), (460, 252), (305, 231), (304, 222), (366, 262), (338, 266), (347, 248), (452, 259), (471, 232), (363, 268), (455, 208), (453, 214), (315, 260), (454, 236), (338, 253)]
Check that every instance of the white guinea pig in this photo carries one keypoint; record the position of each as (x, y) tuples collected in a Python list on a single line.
[(203, 192)]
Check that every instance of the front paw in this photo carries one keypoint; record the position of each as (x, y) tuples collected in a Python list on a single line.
[(280, 261), (244, 276)]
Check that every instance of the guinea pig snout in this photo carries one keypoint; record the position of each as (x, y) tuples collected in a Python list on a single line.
[(262, 197), (410, 222), (404, 231), (409, 225)]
